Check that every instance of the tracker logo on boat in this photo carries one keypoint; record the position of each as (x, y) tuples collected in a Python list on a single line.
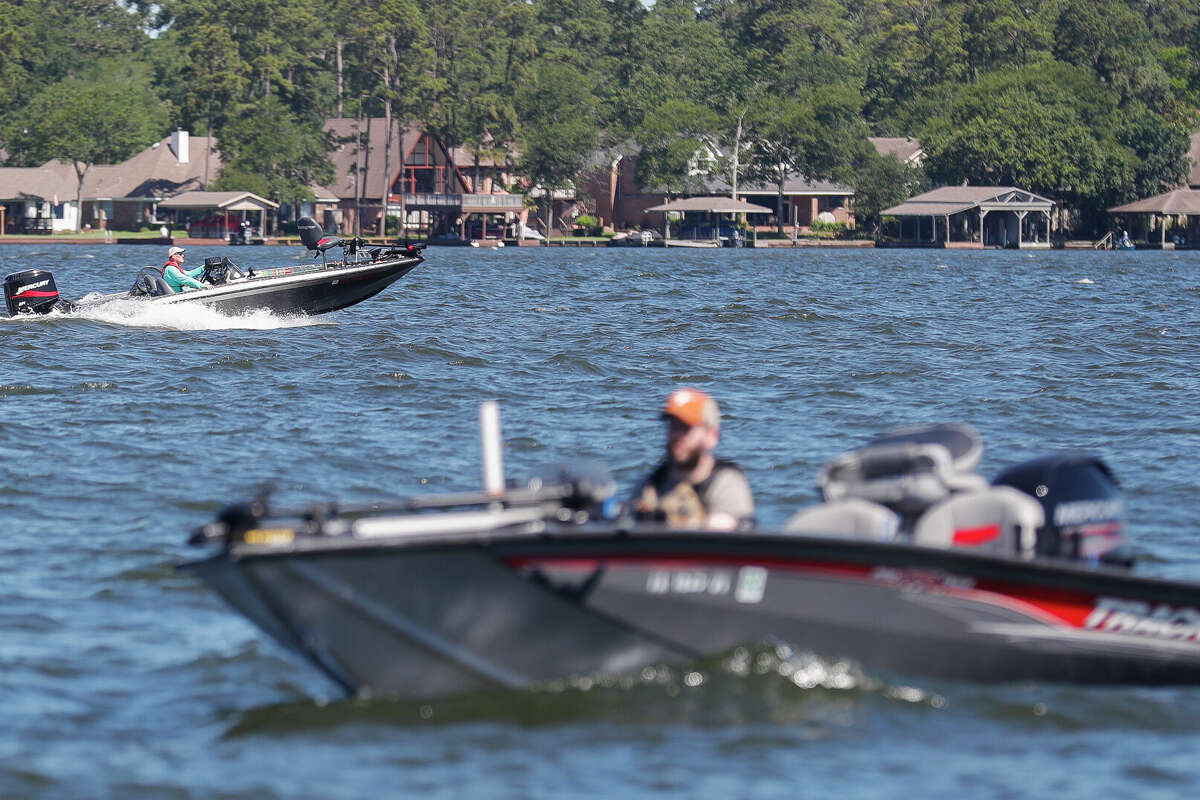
[(1162, 621)]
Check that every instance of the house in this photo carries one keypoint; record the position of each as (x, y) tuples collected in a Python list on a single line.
[(619, 201), (43, 199), (452, 192), (906, 149)]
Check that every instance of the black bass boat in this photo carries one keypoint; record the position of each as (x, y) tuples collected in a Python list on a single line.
[(911, 565), (316, 288)]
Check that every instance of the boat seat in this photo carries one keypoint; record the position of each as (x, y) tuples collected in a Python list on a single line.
[(850, 519), (150, 283), (998, 520)]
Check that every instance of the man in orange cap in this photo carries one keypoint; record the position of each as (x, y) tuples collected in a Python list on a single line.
[(692, 488)]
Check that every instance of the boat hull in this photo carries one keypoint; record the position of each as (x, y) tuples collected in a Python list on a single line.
[(416, 620), (305, 289)]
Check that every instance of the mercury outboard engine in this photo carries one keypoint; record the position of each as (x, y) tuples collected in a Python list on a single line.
[(32, 292), (1083, 505)]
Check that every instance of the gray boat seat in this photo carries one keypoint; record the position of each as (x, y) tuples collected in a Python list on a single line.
[(150, 283), (998, 519), (908, 469), (850, 519)]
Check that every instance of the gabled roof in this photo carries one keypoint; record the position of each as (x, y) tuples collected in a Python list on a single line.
[(907, 149), (345, 156), (219, 201), (1179, 201), (156, 171), (52, 179), (954, 199)]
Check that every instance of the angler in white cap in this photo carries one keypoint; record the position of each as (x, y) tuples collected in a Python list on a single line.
[(176, 276)]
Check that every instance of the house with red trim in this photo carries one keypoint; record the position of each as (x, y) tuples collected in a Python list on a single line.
[(412, 176)]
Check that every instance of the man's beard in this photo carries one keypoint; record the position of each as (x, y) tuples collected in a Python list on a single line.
[(690, 462)]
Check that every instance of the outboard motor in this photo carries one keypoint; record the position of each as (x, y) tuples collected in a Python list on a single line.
[(1083, 505), (32, 292)]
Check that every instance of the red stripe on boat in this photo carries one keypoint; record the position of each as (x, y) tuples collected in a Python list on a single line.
[(35, 294), (974, 536)]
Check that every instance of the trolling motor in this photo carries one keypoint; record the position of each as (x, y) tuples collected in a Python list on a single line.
[(33, 292)]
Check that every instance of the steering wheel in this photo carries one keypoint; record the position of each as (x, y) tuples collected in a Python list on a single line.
[(216, 271)]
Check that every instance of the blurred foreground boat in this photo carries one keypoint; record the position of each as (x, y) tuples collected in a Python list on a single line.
[(913, 564)]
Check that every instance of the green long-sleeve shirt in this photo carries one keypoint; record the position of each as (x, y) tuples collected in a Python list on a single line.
[(178, 278)]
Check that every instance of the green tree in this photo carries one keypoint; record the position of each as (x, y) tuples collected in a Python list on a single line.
[(819, 135), (884, 181), (271, 152), (87, 123), (558, 125), (674, 138)]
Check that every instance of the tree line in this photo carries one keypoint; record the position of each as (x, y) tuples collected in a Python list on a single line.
[(1089, 102)]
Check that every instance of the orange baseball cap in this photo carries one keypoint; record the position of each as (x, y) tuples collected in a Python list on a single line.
[(693, 407)]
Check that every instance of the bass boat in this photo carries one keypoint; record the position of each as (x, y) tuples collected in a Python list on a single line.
[(361, 273), (912, 564)]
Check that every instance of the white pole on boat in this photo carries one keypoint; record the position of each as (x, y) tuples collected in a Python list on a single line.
[(490, 446)]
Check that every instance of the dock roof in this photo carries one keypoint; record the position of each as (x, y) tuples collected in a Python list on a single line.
[(219, 201), (1178, 201), (955, 199), (717, 205)]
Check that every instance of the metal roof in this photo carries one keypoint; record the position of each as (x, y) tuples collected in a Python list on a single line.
[(219, 201), (1179, 201), (718, 205), (954, 199)]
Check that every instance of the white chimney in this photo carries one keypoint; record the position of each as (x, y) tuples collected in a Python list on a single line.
[(179, 145)]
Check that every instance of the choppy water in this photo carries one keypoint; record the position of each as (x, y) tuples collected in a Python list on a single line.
[(120, 431)]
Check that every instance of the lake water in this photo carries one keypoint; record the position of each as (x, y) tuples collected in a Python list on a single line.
[(120, 431)]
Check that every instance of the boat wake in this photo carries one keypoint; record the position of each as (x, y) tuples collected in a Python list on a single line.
[(135, 313), (767, 683)]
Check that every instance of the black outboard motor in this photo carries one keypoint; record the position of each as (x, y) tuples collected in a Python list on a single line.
[(1082, 500), (33, 292)]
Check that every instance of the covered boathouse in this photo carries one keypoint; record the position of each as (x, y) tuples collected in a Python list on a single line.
[(1178, 209), (969, 216)]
